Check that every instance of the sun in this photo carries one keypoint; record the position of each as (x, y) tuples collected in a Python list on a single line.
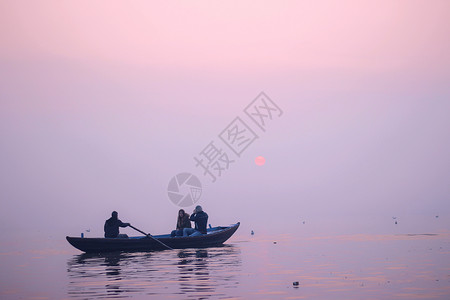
[(259, 161)]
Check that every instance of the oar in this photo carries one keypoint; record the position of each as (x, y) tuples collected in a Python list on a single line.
[(150, 236)]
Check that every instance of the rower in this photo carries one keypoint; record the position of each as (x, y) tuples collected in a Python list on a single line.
[(112, 226)]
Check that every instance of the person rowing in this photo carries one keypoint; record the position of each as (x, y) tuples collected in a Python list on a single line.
[(112, 226)]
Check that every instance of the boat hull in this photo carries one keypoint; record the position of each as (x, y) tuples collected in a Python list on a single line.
[(215, 237)]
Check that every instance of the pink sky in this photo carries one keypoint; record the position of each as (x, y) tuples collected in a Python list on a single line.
[(375, 35), (102, 102)]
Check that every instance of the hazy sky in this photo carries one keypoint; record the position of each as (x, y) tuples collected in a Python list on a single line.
[(102, 102)]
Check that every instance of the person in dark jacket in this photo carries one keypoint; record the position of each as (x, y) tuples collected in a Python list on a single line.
[(112, 226), (201, 219), (182, 222)]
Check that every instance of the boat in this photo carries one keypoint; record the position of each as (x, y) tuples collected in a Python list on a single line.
[(215, 236)]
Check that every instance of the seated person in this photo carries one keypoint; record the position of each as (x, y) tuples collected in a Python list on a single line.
[(112, 226), (201, 219), (182, 222)]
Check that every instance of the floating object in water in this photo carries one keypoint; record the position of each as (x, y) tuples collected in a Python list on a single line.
[(303, 222), (252, 233), (437, 216), (295, 283), (274, 242), (396, 222)]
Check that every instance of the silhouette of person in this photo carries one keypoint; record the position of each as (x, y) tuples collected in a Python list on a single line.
[(182, 222), (112, 226), (201, 219)]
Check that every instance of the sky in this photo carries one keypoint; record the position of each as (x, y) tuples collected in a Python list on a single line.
[(103, 102)]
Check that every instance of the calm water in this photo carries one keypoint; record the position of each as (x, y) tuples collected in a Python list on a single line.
[(396, 266)]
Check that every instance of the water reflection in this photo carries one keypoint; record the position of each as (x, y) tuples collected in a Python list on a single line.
[(341, 267), (112, 270), (195, 273)]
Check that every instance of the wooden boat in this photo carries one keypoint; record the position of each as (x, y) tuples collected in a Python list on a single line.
[(216, 236)]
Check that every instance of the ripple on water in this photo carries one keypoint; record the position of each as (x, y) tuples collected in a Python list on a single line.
[(194, 273)]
